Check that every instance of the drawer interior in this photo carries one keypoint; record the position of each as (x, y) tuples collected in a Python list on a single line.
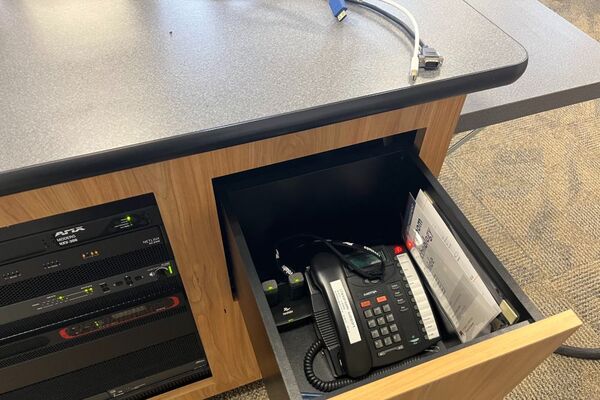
[(357, 194)]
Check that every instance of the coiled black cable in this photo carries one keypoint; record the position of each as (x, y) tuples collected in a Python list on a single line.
[(337, 383), (314, 380)]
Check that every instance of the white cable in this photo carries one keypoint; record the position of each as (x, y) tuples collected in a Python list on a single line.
[(414, 62)]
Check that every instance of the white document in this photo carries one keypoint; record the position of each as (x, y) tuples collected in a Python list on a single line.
[(458, 288)]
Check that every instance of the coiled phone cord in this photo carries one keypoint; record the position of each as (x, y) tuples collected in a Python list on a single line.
[(337, 383), (313, 379)]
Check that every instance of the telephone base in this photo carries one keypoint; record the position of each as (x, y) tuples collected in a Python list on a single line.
[(289, 313)]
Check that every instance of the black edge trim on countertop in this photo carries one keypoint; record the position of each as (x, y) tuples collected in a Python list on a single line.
[(84, 166), (509, 111)]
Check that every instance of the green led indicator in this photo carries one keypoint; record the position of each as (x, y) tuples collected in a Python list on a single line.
[(170, 269), (61, 297), (269, 287), (297, 280), (128, 218)]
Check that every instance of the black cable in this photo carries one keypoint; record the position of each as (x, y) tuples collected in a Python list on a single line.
[(330, 244), (389, 16), (337, 383), (579, 352), (314, 380)]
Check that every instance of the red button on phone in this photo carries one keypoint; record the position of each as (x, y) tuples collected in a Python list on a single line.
[(381, 299), (365, 304)]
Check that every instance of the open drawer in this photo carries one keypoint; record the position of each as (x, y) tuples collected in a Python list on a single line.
[(359, 194)]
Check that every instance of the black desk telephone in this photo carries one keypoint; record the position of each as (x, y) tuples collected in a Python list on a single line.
[(364, 322)]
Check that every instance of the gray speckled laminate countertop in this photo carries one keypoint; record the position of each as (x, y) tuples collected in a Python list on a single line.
[(563, 65), (92, 86)]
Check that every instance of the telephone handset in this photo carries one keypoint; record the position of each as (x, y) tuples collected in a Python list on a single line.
[(328, 274), (367, 323)]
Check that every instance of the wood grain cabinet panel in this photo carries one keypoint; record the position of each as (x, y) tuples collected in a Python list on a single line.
[(184, 193)]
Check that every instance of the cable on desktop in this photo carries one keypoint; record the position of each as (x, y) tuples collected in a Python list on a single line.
[(423, 56), (414, 62), (409, 32)]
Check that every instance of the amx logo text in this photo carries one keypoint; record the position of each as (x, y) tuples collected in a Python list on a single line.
[(69, 231)]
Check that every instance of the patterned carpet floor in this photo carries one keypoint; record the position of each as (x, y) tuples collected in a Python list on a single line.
[(531, 188)]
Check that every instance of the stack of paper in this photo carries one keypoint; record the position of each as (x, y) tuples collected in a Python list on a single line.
[(461, 293)]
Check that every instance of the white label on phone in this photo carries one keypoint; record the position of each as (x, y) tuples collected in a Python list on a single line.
[(341, 298)]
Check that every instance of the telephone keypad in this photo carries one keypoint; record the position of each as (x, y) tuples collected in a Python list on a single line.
[(388, 333)]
